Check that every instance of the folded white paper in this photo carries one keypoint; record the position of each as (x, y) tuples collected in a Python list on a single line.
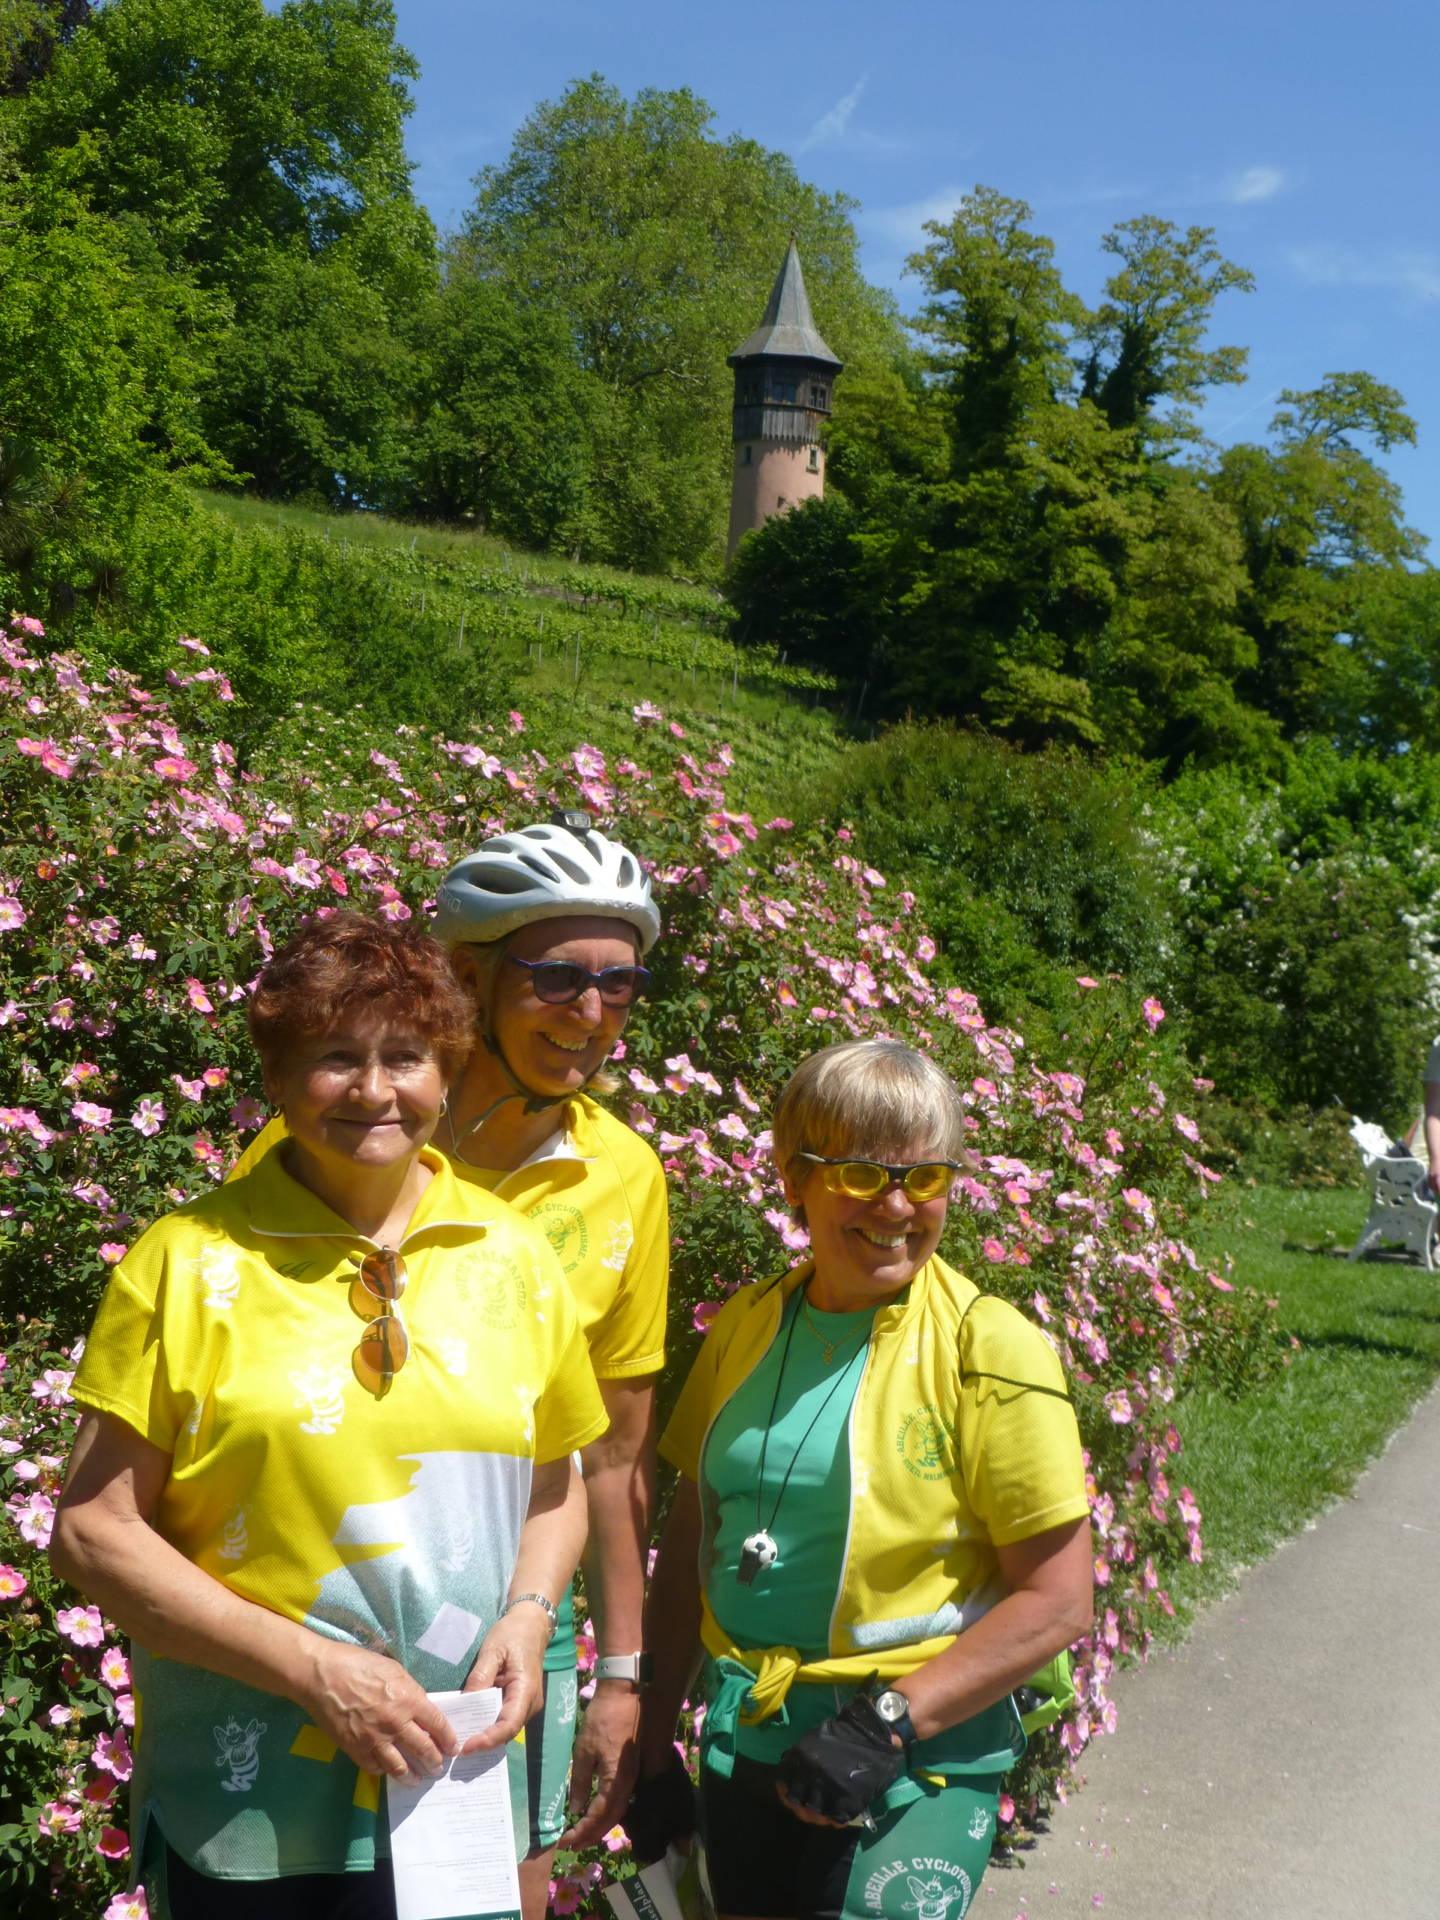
[(452, 1839)]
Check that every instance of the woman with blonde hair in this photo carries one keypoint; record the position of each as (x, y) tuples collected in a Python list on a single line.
[(879, 1531)]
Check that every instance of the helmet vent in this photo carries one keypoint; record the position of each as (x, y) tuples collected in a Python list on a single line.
[(543, 873)]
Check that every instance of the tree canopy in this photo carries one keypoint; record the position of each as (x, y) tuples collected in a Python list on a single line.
[(216, 263), (1048, 547), (628, 230)]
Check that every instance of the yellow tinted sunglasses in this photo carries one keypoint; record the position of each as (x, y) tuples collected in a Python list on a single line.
[(384, 1345), (867, 1179)]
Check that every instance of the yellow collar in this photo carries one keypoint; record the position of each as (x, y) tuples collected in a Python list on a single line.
[(282, 1209)]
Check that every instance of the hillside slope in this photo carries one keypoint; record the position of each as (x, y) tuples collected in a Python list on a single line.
[(576, 649)]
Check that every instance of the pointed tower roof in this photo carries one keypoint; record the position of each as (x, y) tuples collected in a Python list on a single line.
[(788, 328)]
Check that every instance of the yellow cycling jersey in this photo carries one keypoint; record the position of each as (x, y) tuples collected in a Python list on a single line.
[(597, 1193), (940, 1476), (225, 1338)]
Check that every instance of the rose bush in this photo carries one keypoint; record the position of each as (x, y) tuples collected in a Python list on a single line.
[(150, 869), (65, 1678)]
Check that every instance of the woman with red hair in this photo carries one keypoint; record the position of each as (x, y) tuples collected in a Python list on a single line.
[(325, 1465)]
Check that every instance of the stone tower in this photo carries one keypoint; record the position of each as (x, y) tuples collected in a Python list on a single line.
[(784, 376)]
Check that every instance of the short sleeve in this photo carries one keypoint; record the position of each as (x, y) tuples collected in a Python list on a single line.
[(126, 1369), (1432, 1066), (570, 1412), (630, 1340), (688, 1424), (1020, 1444)]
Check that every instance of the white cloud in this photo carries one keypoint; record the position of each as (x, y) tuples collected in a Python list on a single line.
[(1403, 270), (1255, 183), (831, 126), (904, 226)]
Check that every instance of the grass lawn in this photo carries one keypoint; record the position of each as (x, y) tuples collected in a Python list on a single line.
[(1263, 1465)]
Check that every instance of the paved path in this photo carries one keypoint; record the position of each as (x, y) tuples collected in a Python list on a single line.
[(1286, 1761)]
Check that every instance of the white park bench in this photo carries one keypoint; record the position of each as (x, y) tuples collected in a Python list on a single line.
[(1403, 1211)]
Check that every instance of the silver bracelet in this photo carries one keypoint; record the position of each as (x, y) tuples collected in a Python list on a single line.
[(536, 1600)]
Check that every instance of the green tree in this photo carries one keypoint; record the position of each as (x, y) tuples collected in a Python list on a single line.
[(990, 620), (999, 320), (1395, 644), (1079, 587), (794, 587), (1030, 867), (101, 355), (1144, 342), (30, 31), (823, 583), (653, 244), (263, 153), (1323, 532), (505, 434), (1310, 993)]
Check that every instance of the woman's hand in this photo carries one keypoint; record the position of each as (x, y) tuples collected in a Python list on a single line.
[(661, 1809), (605, 1763), (511, 1657), (833, 1773), (375, 1713)]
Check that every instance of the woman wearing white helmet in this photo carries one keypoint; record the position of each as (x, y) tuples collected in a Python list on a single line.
[(547, 927)]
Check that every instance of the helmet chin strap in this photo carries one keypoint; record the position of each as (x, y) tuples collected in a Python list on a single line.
[(535, 1101)]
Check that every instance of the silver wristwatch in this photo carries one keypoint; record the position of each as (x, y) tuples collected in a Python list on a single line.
[(536, 1600), (637, 1667), (894, 1709)]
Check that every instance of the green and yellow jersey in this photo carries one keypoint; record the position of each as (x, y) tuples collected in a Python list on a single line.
[(225, 1339)]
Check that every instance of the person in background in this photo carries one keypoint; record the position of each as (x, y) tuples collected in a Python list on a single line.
[(1427, 1145), (547, 928), (879, 1533), (325, 1463)]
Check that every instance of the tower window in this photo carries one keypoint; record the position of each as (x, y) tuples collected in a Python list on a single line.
[(745, 455), (817, 396), (783, 391), (814, 460)]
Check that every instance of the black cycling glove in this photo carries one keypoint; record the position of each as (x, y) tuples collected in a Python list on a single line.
[(661, 1809), (839, 1767)]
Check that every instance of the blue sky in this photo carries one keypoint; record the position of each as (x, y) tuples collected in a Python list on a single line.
[(1306, 135)]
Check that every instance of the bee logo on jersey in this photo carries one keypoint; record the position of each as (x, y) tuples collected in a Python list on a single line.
[(236, 1543), (617, 1247), (564, 1227), (496, 1284), (217, 1269), (927, 1888), (239, 1752), (924, 1444), (320, 1389)]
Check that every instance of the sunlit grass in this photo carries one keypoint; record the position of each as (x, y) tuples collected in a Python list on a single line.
[(781, 736), (456, 544), (1369, 1333)]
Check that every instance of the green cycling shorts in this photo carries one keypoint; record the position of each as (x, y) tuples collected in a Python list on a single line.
[(924, 1861)]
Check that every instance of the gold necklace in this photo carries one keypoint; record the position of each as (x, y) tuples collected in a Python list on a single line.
[(827, 1347)]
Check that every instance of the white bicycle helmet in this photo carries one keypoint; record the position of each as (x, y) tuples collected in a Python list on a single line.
[(543, 873)]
